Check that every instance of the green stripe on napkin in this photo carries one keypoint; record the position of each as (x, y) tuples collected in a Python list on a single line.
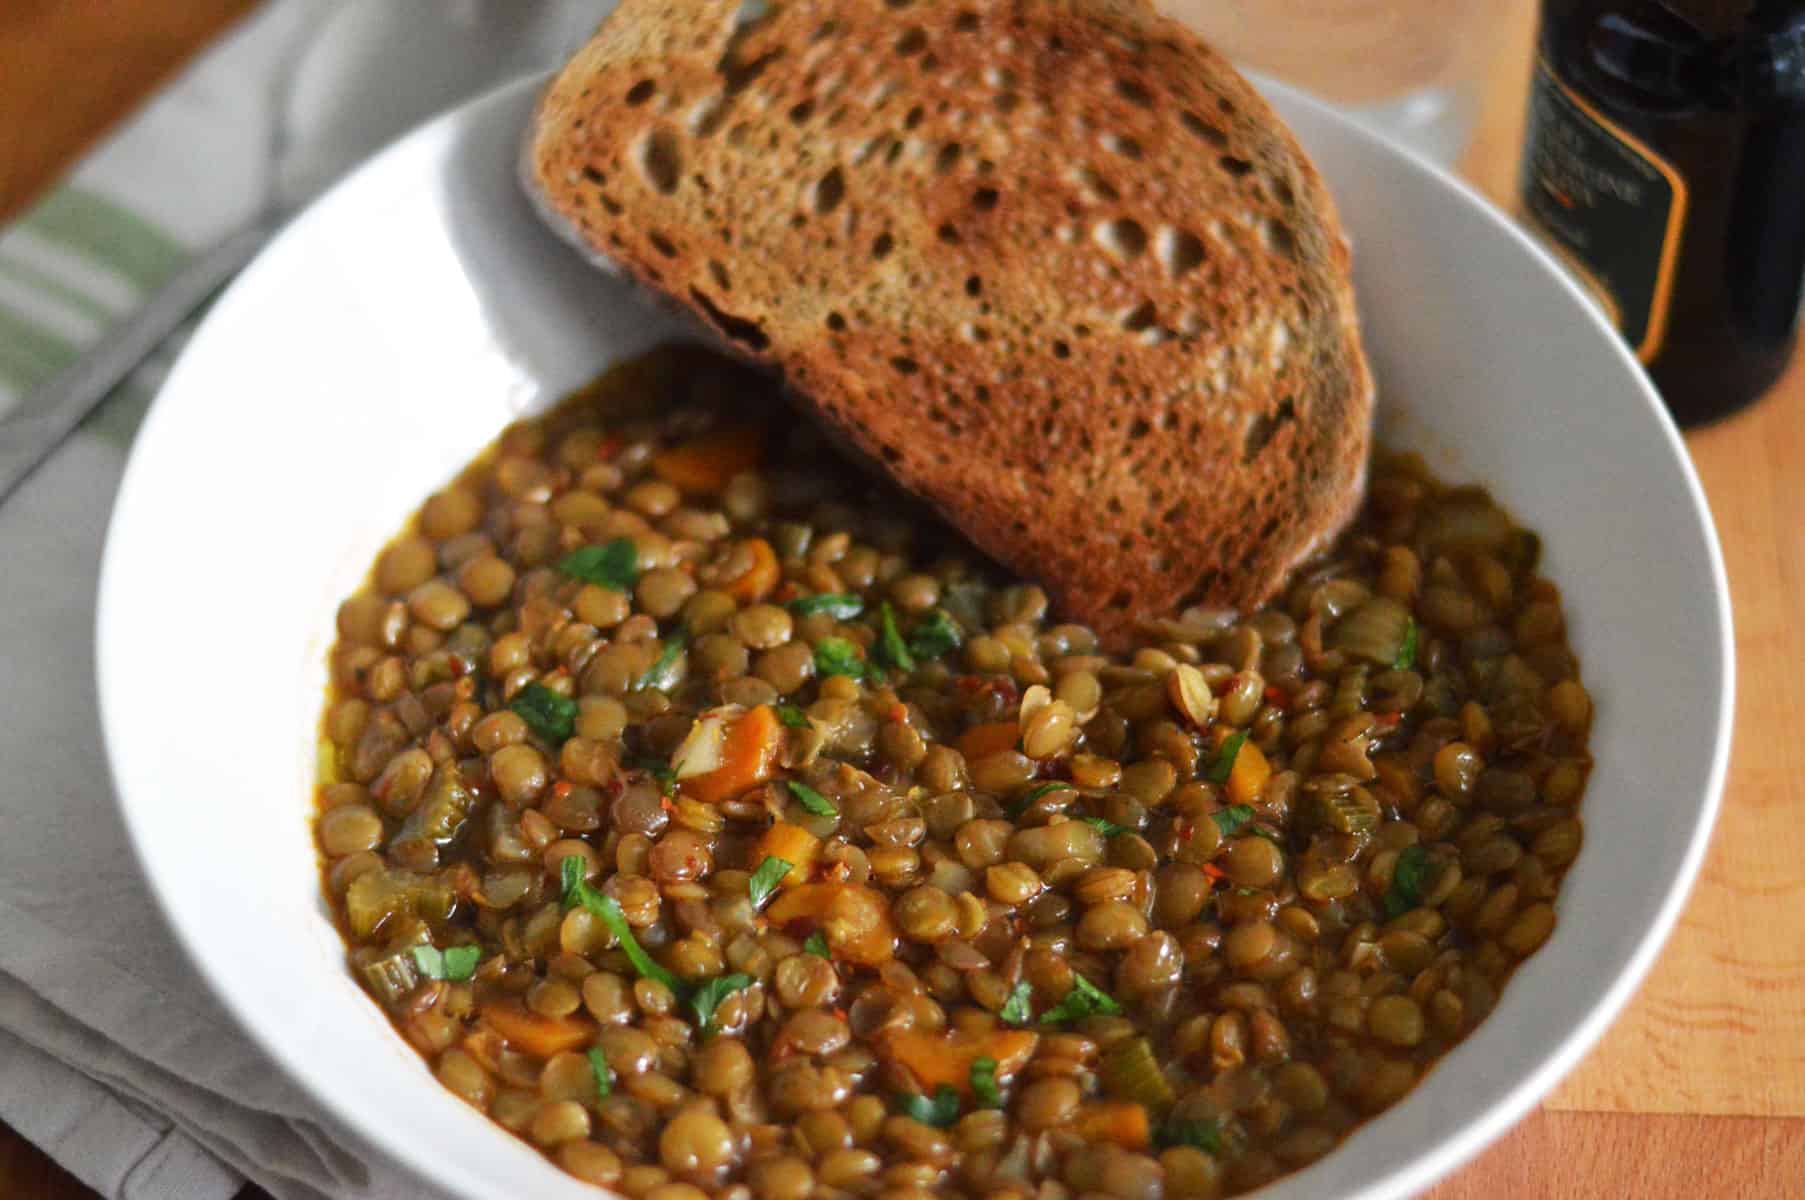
[(109, 236), (69, 297), (29, 354)]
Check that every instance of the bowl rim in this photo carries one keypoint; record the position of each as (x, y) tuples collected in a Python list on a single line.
[(1407, 1177)]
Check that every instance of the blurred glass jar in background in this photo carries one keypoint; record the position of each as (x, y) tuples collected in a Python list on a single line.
[(1404, 68)]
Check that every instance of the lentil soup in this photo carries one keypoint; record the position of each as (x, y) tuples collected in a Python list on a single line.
[(712, 818)]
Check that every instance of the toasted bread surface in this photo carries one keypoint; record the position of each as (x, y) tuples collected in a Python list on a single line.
[(1052, 264)]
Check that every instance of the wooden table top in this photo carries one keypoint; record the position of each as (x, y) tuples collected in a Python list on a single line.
[(1699, 1090)]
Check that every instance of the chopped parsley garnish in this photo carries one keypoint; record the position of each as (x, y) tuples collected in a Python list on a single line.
[(1036, 792), (937, 635), (604, 1074), (1406, 658), (658, 769), (811, 800), (1224, 762), (1107, 828), (841, 606), (837, 656), (551, 716), (817, 945), (456, 964), (607, 910), (1408, 878), (1018, 1009), (1229, 820), (791, 717), (984, 1083), (662, 675), (708, 996), (1210, 1136), (891, 647), (940, 1112), (612, 565), (1085, 999), (764, 881)]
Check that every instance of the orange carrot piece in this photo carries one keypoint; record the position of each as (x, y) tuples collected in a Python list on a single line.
[(748, 758), (854, 919), (705, 464), (945, 1058), (795, 845), (1247, 778), (981, 741), (1122, 1122), (534, 1034), (758, 581)]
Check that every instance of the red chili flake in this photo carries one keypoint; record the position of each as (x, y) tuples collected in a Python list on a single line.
[(840, 872), (1389, 720), (1214, 871), (664, 802), (969, 683), (608, 448), (898, 712), (1276, 697), (1185, 830), (1006, 689), (459, 664), (561, 788)]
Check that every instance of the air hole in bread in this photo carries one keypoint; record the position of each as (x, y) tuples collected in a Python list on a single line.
[(1124, 238), (965, 22), (801, 111), (948, 157), (1122, 598), (1139, 429), (974, 332), (982, 392), (912, 41), (1061, 349), (1141, 317), (836, 322), (748, 333), (1179, 250), (662, 244), (902, 364), (829, 191), (1278, 237), (640, 92), (1132, 91), (1127, 147), (891, 453), (974, 286), (1237, 167), (1096, 187), (985, 199), (740, 76), (881, 245), (610, 205), (826, 30), (1203, 129), (722, 280), (660, 160), (913, 117), (594, 176), (948, 234), (1262, 428), (1006, 101), (894, 152), (898, 3)]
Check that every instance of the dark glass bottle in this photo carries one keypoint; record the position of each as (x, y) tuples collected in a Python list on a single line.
[(1666, 164)]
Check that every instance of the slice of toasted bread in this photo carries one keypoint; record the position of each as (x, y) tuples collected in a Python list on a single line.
[(1054, 265)]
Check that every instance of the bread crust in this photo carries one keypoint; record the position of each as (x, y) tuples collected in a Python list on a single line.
[(1052, 264)]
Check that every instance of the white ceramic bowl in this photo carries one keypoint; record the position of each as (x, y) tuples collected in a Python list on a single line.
[(389, 334)]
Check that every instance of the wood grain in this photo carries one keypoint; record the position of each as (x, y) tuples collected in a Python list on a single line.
[(1717, 1037)]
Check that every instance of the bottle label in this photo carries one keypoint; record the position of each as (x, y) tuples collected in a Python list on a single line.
[(1610, 206)]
